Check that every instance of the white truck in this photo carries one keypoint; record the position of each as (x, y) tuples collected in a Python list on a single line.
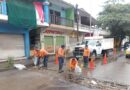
[(98, 46)]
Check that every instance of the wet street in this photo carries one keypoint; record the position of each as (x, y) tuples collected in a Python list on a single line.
[(113, 72), (31, 80), (117, 71)]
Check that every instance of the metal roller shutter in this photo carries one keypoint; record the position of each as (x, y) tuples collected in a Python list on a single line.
[(11, 45)]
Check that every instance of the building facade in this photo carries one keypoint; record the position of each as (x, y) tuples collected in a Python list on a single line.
[(88, 25), (61, 18), (63, 27), (15, 41), (59, 27)]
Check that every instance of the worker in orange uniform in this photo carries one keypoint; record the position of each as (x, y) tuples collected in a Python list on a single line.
[(86, 55), (35, 54), (72, 64), (61, 55), (44, 56)]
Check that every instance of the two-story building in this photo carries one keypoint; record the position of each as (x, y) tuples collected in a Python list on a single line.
[(61, 18), (87, 25), (55, 25), (14, 38), (63, 27)]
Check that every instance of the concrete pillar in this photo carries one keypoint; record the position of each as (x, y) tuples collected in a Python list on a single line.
[(27, 46), (46, 10), (4, 9)]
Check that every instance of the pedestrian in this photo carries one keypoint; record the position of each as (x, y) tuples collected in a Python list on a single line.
[(44, 57), (86, 55), (35, 54), (72, 64), (61, 55)]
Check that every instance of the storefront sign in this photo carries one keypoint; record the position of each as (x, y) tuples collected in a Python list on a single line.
[(53, 32)]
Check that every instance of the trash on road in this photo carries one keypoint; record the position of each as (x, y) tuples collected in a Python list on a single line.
[(19, 66), (78, 70), (93, 82)]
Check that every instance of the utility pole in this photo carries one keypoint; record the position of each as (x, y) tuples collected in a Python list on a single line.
[(77, 21), (90, 21)]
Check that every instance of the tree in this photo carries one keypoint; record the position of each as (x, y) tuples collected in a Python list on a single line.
[(117, 18), (114, 1)]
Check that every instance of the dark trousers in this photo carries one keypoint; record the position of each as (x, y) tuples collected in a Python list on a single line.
[(61, 62), (86, 59), (38, 61), (45, 61)]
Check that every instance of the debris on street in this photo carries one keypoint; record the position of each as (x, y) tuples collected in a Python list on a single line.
[(97, 84), (93, 82), (19, 66)]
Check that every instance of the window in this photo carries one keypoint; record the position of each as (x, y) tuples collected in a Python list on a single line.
[(55, 13), (98, 43), (55, 17), (51, 12), (92, 43)]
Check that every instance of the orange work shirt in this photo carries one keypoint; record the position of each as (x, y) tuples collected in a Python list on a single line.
[(73, 63), (43, 52), (61, 52), (86, 52), (35, 53)]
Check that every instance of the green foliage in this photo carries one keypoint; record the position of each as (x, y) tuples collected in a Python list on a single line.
[(114, 1), (117, 18), (10, 62)]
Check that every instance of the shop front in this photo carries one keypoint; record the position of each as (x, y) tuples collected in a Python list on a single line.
[(14, 42), (51, 40)]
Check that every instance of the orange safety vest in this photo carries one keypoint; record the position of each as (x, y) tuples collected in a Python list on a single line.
[(73, 63), (86, 52), (43, 52), (61, 52), (35, 53)]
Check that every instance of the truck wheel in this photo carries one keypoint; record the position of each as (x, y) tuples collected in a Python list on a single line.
[(105, 52)]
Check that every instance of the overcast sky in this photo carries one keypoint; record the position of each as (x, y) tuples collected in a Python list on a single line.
[(91, 6)]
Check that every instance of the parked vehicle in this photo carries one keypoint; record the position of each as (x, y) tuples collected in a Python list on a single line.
[(98, 46), (128, 51), (126, 45)]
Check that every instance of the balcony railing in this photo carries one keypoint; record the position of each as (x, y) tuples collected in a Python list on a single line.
[(61, 21), (84, 27), (87, 28)]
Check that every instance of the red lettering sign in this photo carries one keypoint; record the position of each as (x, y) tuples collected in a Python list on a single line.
[(53, 32)]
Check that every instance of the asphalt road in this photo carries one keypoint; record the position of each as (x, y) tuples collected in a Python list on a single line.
[(35, 80), (116, 71)]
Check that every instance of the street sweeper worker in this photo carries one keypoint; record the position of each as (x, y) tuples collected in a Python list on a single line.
[(35, 55), (61, 55), (86, 55), (72, 64), (44, 57)]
